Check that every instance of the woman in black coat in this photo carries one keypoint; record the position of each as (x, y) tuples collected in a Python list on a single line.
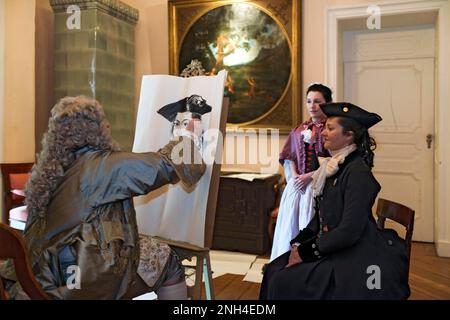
[(342, 254)]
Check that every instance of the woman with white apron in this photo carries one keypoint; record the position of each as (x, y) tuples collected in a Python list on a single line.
[(299, 159)]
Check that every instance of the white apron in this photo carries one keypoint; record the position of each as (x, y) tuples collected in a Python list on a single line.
[(295, 212)]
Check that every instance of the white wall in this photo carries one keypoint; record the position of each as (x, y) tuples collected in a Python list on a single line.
[(442, 219), (17, 50), (2, 84), (2, 69), (151, 38), (18, 108)]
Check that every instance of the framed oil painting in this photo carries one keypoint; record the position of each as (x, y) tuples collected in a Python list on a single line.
[(257, 42)]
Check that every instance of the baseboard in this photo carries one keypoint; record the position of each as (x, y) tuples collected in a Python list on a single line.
[(443, 248)]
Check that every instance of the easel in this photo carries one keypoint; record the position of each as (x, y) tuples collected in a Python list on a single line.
[(186, 250), (203, 266)]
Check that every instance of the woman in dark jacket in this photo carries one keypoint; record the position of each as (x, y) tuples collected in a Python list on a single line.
[(342, 254)]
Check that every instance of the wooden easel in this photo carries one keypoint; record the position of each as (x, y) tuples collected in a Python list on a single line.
[(186, 250)]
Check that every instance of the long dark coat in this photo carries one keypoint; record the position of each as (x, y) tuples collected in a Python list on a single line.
[(354, 259), (91, 223)]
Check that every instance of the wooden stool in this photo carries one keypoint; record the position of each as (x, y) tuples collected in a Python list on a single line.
[(203, 265)]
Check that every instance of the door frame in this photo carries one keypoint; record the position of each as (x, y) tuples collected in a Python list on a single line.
[(334, 16)]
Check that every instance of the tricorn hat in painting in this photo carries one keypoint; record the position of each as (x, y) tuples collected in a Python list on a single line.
[(194, 103)]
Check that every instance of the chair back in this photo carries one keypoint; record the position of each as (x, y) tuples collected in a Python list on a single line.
[(399, 213), (15, 177), (12, 246)]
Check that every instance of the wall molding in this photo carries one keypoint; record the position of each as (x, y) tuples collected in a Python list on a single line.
[(112, 7), (335, 15), (443, 248)]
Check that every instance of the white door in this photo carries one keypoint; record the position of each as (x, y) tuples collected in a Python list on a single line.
[(392, 73)]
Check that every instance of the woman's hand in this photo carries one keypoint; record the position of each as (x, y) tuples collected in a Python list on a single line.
[(294, 257), (301, 181)]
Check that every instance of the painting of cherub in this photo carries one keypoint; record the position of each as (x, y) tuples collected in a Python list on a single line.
[(244, 40)]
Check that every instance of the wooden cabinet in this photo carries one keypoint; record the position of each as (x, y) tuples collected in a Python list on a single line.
[(242, 213)]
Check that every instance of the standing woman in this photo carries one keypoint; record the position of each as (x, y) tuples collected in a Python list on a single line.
[(342, 254), (299, 159)]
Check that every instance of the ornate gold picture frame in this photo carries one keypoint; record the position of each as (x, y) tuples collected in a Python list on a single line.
[(257, 42)]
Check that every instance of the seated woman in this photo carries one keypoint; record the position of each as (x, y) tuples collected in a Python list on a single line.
[(81, 232), (342, 254)]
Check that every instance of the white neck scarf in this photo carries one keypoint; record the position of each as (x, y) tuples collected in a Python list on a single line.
[(328, 167)]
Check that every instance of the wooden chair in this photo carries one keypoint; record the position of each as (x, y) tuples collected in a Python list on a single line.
[(12, 246), (15, 176), (399, 213)]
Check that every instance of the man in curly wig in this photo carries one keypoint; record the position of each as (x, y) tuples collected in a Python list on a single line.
[(81, 231)]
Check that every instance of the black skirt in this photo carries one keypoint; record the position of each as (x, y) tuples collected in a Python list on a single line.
[(374, 268)]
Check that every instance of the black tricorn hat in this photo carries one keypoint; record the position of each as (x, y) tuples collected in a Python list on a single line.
[(194, 103), (346, 109)]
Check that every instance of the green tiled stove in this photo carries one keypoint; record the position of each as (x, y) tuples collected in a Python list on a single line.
[(94, 56)]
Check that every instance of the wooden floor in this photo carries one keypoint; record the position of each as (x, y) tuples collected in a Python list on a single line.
[(429, 275), (429, 278)]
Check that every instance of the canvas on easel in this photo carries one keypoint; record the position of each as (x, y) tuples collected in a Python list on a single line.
[(172, 212)]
